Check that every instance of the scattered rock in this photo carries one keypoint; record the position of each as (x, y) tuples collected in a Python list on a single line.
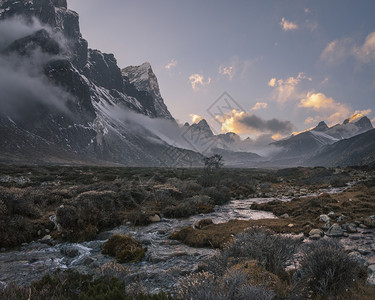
[(363, 250), (154, 218), (326, 226), (39, 232), (290, 225), (69, 251), (324, 218), (88, 261), (315, 234), (341, 218), (371, 275), (335, 231), (351, 228), (47, 231), (370, 221), (284, 216), (359, 258), (2, 250), (372, 247), (331, 214), (363, 226), (47, 237)]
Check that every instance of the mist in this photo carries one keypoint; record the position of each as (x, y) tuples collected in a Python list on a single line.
[(23, 84)]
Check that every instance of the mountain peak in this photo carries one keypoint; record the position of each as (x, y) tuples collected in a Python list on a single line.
[(202, 126), (322, 126)]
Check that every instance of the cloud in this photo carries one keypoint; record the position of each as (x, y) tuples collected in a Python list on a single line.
[(287, 25), (244, 122), (195, 118), (171, 64), (259, 105), (366, 52), (331, 110), (272, 82), (286, 89), (228, 71), (373, 120), (24, 86), (236, 67), (307, 10), (311, 120), (337, 50), (198, 81)]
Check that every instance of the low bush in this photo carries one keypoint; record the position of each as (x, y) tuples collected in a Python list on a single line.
[(272, 251), (327, 272), (124, 248), (233, 285), (71, 285)]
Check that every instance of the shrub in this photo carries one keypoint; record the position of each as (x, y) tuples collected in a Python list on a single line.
[(272, 251), (233, 285), (181, 210), (67, 217), (124, 248), (326, 271), (219, 195)]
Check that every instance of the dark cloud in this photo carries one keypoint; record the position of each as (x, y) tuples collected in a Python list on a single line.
[(256, 123)]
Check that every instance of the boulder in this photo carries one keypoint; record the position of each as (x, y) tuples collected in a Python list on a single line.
[(324, 218), (335, 231), (359, 258), (370, 221), (315, 234), (69, 251), (154, 218), (350, 228), (371, 275)]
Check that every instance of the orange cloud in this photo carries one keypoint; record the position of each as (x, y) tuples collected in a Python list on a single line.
[(259, 105), (195, 118), (197, 81), (287, 25)]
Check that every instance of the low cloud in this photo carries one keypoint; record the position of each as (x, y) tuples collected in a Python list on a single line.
[(171, 64), (198, 81), (288, 25), (23, 84), (259, 105), (244, 122)]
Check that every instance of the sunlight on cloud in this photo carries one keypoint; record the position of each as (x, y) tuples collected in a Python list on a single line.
[(286, 89), (197, 81), (337, 50), (195, 118), (333, 111), (287, 25), (228, 71), (259, 105), (171, 64), (366, 52), (272, 82)]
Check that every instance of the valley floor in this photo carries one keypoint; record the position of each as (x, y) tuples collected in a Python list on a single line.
[(65, 214)]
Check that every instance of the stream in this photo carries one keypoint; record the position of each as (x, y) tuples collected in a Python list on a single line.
[(165, 263)]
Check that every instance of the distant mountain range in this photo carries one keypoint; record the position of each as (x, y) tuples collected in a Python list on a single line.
[(64, 103)]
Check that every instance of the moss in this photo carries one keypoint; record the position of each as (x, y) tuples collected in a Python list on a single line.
[(124, 248)]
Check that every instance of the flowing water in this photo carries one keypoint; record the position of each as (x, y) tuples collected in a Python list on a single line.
[(166, 260)]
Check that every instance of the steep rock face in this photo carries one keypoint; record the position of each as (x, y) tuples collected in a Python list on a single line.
[(141, 83), (94, 98)]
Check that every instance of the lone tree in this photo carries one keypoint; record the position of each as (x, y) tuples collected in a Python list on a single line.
[(211, 165), (213, 162)]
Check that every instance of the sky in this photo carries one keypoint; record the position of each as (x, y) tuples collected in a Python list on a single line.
[(250, 66)]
